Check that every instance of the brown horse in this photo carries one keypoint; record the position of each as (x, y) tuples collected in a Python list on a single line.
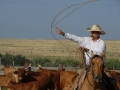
[(93, 80)]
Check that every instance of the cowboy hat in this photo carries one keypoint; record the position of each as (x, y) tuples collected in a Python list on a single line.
[(96, 28)]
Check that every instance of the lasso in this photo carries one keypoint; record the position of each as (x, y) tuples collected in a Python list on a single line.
[(53, 24), (62, 11)]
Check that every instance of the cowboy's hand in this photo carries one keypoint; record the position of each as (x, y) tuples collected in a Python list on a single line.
[(59, 31), (81, 48), (84, 49)]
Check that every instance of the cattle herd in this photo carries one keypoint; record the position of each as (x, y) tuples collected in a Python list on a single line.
[(42, 79)]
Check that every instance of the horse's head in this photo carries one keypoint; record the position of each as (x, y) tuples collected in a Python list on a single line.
[(97, 65)]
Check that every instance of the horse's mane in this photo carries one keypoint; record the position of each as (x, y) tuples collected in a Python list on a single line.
[(96, 56)]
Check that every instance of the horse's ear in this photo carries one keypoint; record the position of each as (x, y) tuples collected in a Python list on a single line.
[(102, 53), (92, 54)]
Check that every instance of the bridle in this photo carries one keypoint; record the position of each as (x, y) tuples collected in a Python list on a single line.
[(89, 73), (93, 75)]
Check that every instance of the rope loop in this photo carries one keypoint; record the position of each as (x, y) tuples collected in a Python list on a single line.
[(53, 24)]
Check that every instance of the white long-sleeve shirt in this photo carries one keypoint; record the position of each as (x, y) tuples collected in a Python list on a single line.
[(87, 42)]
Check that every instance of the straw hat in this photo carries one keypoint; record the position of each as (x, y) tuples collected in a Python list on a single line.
[(96, 28)]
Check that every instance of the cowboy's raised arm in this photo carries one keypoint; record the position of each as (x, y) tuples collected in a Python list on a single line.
[(80, 40)]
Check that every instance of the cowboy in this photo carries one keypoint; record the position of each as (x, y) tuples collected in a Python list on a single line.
[(91, 44)]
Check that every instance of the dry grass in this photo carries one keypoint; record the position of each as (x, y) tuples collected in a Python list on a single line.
[(113, 49), (37, 47)]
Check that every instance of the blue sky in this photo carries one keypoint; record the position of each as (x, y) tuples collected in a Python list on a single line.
[(32, 19)]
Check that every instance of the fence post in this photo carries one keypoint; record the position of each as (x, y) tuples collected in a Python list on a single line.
[(0, 61), (13, 63), (60, 66), (29, 68)]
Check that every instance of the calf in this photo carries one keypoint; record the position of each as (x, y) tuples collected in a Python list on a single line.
[(8, 77), (24, 86), (4, 81), (10, 72)]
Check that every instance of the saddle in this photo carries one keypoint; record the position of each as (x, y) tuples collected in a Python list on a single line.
[(79, 80)]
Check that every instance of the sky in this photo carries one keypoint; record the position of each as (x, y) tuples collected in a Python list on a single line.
[(33, 19)]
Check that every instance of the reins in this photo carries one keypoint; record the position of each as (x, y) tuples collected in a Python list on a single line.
[(90, 83), (88, 73)]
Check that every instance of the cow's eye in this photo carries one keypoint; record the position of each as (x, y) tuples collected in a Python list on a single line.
[(15, 72)]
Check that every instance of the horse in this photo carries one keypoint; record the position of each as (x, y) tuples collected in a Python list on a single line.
[(94, 77)]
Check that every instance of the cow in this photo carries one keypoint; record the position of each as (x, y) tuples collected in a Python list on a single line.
[(24, 86), (18, 86), (10, 72), (67, 78), (5, 80), (25, 76), (54, 78), (47, 79), (116, 76), (10, 76)]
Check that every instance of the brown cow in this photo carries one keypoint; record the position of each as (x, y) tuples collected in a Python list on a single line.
[(116, 76), (25, 76), (54, 78), (46, 78), (8, 77), (67, 78), (5, 80), (24, 86), (10, 72), (19, 86)]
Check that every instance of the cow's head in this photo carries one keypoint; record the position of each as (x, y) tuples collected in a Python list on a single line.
[(11, 72), (15, 78)]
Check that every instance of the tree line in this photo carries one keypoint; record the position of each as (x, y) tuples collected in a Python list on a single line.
[(19, 60)]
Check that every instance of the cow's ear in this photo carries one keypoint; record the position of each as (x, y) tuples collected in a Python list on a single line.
[(15, 72), (16, 68)]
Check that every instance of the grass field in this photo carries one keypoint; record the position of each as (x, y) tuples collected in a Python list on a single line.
[(31, 48)]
